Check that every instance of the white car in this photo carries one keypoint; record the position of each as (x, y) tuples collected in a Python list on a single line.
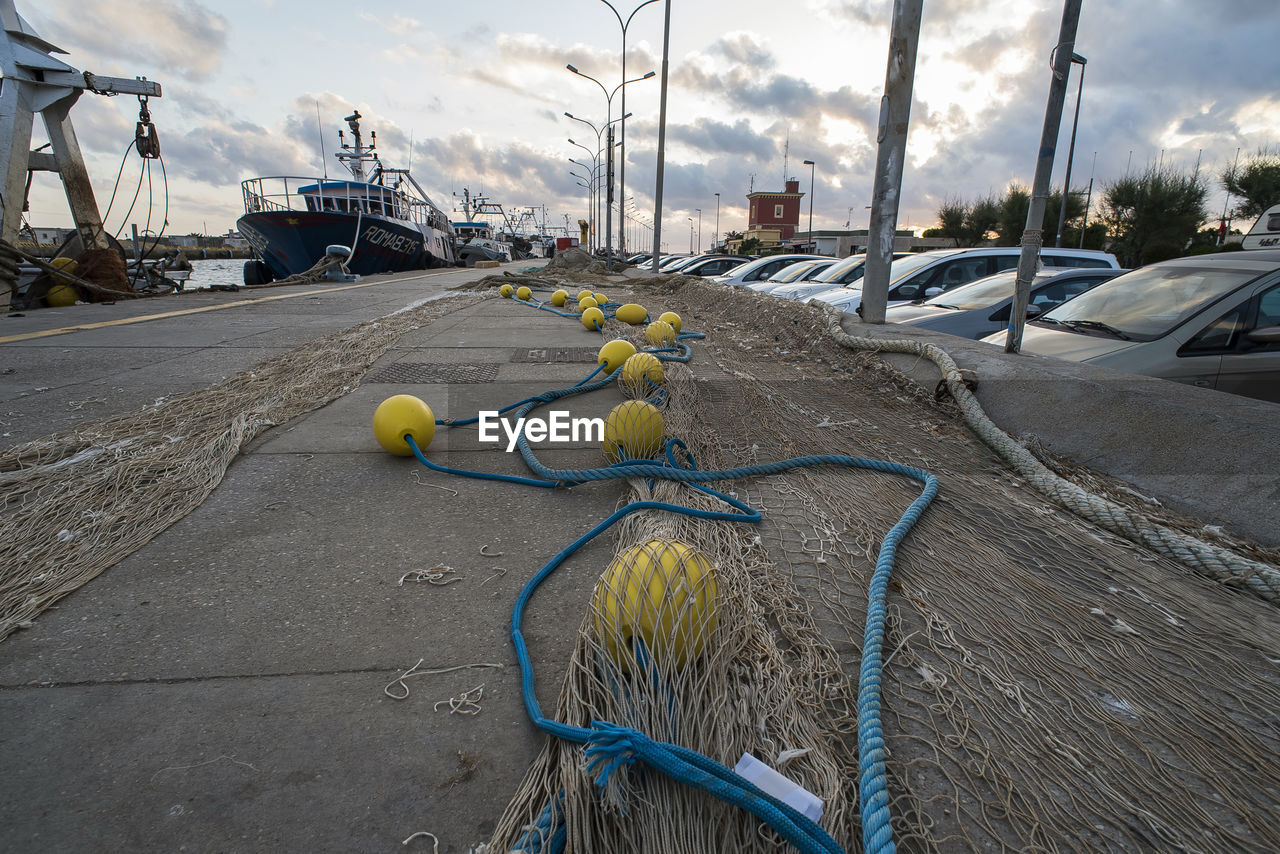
[(761, 268), (928, 274), (845, 273), (800, 271), (1211, 321), (982, 308)]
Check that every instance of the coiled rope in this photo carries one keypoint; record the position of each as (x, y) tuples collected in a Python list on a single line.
[(1209, 560)]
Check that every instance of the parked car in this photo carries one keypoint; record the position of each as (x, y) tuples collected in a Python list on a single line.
[(640, 259), (845, 273), (713, 265), (928, 274), (798, 272), (1211, 321), (762, 268), (673, 262), (981, 308)]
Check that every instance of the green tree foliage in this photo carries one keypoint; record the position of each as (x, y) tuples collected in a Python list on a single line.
[(1155, 215), (1256, 183), (750, 246), (1005, 217), (966, 224)]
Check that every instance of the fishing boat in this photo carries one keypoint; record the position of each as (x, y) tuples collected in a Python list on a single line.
[(478, 240), (380, 219)]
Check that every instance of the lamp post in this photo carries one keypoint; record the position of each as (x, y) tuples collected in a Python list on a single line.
[(1076, 59), (598, 131), (595, 174), (715, 241), (690, 234), (608, 100), (622, 171), (699, 210), (813, 244)]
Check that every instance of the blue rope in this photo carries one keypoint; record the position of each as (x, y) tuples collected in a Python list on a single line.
[(609, 746)]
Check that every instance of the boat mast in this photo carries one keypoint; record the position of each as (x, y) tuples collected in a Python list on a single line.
[(355, 156)]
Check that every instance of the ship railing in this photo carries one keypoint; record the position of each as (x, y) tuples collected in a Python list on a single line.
[(282, 193)]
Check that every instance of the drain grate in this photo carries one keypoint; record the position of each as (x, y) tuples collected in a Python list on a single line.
[(423, 373), (556, 354)]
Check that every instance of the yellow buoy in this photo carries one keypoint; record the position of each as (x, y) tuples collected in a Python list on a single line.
[(662, 594), (613, 354), (559, 297), (593, 319), (672, 318), (640, 370), (660, 334), (633, 430), (401, 415), (601, 299), (506, 291), (62, 293), (587, 302), (523, 292), (632, 313), (583, 294)]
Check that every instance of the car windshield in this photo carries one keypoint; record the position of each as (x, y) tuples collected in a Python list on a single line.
[(980, 294), (839, 268), (792, 272), (1149, 303), (908, 264)]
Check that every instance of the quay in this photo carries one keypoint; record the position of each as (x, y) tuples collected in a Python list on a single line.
[(256, 676)]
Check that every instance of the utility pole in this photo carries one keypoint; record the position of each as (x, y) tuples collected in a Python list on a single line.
[(891, 137), (662, 141), (1032, 236)]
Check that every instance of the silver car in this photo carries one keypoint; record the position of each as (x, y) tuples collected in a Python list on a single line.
[(800, 271), (983, 307), (1211, 321), (761, 269)]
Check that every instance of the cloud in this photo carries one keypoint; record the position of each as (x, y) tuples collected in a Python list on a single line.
[(172, 37)]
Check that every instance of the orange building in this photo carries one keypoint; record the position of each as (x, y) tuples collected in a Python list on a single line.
[(778, 212)]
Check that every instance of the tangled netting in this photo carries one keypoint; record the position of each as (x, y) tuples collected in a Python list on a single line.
[(73, 503), (1048, 685)]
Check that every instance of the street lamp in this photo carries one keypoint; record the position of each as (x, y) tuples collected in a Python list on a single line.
[(699, 210), (1071, 150), (596, 156), (595, 172), (690, 235), (622, 172), (813, 244), (715, 241), (608, 99)]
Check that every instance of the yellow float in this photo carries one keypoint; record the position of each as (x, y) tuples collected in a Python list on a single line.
[(403, 415), (672, 318), (560, 297), (587, 302), (662, 594), (614, 354), (640, 370), (632, 313), (523, 293), (660, 334), (632, 430), (593, 319), (583, 294), (506, 291)]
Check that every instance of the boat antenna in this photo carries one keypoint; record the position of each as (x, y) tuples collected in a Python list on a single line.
[(324, 160)]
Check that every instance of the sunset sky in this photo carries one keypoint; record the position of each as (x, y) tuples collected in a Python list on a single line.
[(481, 91)]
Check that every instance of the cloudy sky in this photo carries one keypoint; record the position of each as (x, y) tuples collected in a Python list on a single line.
[(481, 92)]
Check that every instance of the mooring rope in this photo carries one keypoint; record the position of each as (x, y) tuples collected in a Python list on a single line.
[(1207, 559)]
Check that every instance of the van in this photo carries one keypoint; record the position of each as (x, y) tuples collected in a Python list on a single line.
[(1265, 233)]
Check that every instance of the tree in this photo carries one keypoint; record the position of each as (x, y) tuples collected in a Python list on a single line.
[(1257, 183), (1012, 216), (1155, 215), (749, 246), (966, 224)]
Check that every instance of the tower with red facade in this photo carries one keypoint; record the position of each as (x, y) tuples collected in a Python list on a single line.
[(775, 211)]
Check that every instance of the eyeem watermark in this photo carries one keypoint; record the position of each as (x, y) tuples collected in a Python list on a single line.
[(560, 427)]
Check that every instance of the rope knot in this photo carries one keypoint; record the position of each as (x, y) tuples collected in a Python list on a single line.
[(612, 744)]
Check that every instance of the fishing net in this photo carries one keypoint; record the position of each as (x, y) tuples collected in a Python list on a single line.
[(73, 503), (1048, 685)]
